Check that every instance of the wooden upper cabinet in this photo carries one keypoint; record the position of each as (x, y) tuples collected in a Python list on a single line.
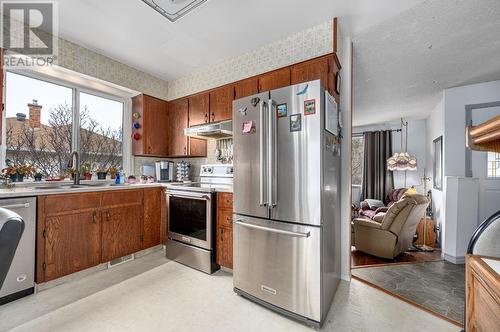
[(197, 147), (274, 80), (152, 121), (311, 70), (221, 103), (199, 109), (178, 112), (246, 88)]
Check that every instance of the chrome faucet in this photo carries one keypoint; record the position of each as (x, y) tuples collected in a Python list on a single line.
[(74, 163)]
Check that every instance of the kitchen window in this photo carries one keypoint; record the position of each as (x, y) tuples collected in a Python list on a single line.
[(45, 120)]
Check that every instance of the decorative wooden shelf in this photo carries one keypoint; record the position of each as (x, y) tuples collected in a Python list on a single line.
[(484, 137)]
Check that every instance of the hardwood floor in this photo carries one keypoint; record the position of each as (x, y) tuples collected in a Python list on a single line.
[(360, 259)]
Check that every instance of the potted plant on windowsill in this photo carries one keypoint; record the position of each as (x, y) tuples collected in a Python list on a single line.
[(17, 173), (101, 174), (86, 171), (112, 172), (38, 176)]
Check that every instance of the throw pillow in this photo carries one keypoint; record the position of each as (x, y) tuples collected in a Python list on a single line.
[(374, 203)]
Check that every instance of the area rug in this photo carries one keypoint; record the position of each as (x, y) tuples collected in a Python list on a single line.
[(437, 286)]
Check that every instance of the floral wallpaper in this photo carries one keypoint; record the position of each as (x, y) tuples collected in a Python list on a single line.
[(85, 61), (307, 44)]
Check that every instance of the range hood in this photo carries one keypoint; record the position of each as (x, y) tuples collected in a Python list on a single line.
[(214, 130)]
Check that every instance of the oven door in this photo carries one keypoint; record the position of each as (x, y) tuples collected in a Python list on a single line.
[(190, 218)]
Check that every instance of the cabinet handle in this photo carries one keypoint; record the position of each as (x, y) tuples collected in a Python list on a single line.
[(206, 117), (107, 215), (221, 234), (94, 217), (213, 116)]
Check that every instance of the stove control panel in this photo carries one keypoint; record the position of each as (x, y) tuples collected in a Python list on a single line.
[(217, 170)]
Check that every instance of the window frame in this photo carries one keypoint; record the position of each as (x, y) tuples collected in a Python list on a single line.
[(488, 177), (75, 139), (358, 136)]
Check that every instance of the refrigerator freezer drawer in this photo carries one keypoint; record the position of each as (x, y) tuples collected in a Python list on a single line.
[(279, 263)]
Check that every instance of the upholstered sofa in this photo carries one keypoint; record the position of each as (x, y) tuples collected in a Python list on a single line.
[(394, 235), (369, 212)]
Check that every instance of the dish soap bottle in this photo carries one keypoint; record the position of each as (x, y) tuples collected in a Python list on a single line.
[(117, 179)]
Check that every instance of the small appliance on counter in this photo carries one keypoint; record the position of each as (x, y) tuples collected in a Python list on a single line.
[(191, 217), (164, 171), (183, 171)]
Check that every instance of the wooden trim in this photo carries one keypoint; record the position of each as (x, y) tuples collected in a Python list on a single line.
[(335, 35), (40, 241), (399, 297)]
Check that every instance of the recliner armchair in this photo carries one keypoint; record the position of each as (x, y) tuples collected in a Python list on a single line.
[(394, 235), (393, 196)]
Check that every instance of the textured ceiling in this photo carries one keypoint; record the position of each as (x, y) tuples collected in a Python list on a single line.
[(133, 33), (402, 64)]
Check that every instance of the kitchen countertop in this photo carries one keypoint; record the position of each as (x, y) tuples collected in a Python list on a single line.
[(31, 189)]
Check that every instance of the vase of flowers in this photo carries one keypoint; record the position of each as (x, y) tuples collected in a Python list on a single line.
[(112, 172), (18, 173)]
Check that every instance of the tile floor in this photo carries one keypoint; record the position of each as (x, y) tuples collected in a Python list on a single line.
[(438, 286), (154, 294)]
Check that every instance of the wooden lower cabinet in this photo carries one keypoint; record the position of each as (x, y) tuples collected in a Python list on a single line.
[(72, 243), (79, 231), (225, 247), (121, 231), (224, 241), (152, 217)]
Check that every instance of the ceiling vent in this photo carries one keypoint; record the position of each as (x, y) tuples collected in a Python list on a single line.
[(173, 9)]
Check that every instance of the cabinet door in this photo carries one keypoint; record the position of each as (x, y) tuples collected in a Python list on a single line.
[(310, 71), (198, 109), (274, 80), (246, 88), (197, 147), (225, 247), (72, 243), (178, 120), (221, 103), (152, 216), (164, 218), (155, 121), (121, 231)]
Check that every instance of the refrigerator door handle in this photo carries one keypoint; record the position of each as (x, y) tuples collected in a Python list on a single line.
[(273, 151), (262, 154), (241, 222)]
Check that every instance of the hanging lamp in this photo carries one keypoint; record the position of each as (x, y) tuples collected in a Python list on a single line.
[(402, 161)]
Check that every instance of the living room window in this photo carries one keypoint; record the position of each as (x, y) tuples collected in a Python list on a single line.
[(45, 120), (493, 165), (358, 147)]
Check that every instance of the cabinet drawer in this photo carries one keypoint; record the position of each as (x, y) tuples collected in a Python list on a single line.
[(122, 197), (225, 200), (56, 204), (225, 218)]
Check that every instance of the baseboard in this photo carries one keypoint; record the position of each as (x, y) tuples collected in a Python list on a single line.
[(454, 260)]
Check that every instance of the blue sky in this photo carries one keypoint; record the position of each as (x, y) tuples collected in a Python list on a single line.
[(21, 90)]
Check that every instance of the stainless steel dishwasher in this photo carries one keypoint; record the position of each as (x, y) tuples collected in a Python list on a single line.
[(20, 280)]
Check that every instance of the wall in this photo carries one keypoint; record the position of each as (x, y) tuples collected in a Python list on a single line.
[(455, 102), (345, 58), (416, 147), (310, 43), (435, 128)]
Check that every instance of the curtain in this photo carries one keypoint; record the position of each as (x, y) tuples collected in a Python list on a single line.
[(377, 180)]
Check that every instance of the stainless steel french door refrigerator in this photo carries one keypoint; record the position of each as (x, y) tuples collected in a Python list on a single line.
[(286, 201)]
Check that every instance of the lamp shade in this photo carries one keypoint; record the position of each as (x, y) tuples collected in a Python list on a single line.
[(402, 161)]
